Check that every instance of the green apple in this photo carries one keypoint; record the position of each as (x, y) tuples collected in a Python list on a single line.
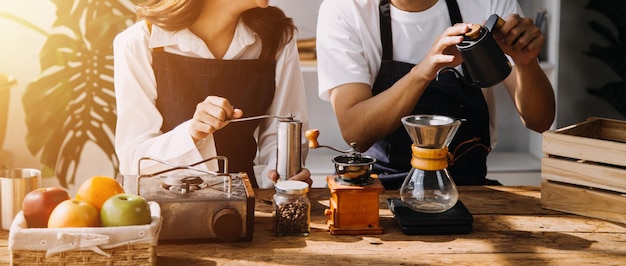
[(125, 209)]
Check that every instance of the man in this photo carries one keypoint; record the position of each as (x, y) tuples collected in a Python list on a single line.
[(377, 62)]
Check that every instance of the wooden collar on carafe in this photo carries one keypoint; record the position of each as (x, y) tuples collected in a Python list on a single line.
[(429, 159)]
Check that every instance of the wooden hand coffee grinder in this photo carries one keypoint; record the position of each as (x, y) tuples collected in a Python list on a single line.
[(353, 208)]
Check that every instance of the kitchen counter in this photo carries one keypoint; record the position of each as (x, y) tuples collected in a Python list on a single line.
[(510, 228)]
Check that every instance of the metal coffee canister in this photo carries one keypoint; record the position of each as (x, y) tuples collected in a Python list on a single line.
[(14, 185), (289, 147)]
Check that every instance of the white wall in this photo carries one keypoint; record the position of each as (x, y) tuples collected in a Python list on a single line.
[(19, 58), (321, 114), (304, 14)]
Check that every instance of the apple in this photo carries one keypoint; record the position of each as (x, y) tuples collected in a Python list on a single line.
[(125, 209), (39, 203), (74, 213)]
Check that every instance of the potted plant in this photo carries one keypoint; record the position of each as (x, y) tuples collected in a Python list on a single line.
[(72, 101), (614, 53), (6, 83)]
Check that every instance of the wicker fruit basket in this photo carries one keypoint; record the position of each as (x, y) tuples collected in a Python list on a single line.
[(122, 245)]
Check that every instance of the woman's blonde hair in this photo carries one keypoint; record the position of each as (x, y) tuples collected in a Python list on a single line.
[(271, 24)]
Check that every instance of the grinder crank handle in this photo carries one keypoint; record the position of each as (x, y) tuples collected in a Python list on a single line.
[(312, 134)]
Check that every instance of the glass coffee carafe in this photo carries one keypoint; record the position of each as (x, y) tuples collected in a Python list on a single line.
[(428, 187)]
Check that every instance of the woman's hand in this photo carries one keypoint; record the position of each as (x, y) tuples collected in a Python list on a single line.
[(211, 115), (443, 53), (303, 175), (520, 39)]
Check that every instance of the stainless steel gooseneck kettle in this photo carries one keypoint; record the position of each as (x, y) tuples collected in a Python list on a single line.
[(483, 58)]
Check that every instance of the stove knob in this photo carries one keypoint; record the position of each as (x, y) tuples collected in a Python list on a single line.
[(227, 225)]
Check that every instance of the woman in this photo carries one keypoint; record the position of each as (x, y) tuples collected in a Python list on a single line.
[(187, 67)]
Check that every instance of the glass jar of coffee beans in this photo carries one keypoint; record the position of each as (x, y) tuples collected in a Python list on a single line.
[(292, 209)]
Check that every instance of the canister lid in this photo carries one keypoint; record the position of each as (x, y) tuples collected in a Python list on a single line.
[(474, 32), (292, 187)]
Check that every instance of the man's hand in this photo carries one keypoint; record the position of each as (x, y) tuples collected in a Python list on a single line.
[(443, 53), (520, 39)]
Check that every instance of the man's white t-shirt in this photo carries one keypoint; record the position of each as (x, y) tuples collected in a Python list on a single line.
[(349, 49)]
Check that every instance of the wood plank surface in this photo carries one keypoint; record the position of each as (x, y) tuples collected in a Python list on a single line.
[(614, 130), (584, 201), (584, 174), (588, 141), (510, 228)]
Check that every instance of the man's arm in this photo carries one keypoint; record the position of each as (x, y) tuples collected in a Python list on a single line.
[(528, 85), (365, 119)]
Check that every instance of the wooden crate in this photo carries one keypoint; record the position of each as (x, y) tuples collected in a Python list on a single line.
[(584, 169)]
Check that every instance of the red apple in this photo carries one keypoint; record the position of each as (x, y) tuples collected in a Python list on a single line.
[(39, 203), (125, 209), (74, 213)]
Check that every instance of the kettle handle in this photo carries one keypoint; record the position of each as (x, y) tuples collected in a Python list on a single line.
[(456, 73)]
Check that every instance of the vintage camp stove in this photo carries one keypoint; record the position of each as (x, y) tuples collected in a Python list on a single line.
[(198, 204), (353, 207)]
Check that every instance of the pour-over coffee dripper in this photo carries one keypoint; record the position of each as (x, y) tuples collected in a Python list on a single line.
[(429, 187)]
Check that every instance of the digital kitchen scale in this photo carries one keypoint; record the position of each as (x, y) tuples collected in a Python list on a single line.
[(457, 220)]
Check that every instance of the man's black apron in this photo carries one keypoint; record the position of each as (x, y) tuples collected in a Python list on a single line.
[(183, 82), (449, 96)]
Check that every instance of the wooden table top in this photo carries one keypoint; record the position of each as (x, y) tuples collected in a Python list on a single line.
[(510, 228)]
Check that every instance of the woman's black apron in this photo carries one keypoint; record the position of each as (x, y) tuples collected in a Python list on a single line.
[(183, 82), (449, 96)]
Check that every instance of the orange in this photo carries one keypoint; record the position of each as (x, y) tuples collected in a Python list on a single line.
[(97, 189)]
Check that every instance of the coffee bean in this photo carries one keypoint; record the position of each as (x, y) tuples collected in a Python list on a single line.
[(292, 218)]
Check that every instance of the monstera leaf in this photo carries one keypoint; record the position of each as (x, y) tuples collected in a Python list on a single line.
[(72, 102), (614, 53)]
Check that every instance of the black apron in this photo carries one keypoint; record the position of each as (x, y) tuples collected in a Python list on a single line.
[(448, 96), (183, 82)]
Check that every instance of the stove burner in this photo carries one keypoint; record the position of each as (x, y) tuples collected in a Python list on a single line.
[(183, 184), (358, 181)]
